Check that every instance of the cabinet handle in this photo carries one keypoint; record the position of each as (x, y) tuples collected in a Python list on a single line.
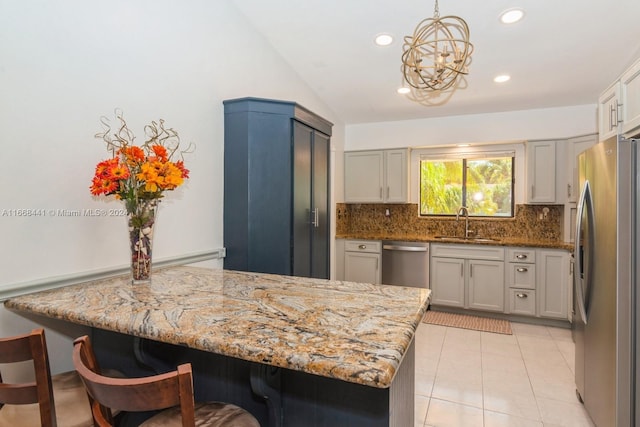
[(521, 295), (362, 246), (617, 110), (522, 270), (471, 271), (521, 256), (611, 119), (388, 192), (461, 270), (315, 222), (568, 190)]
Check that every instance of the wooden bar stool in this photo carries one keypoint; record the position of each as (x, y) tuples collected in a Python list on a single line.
[(172, 392), (48, 401)]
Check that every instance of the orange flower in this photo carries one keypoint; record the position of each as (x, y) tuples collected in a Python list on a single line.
[(103, 186), (160, 152), (133, 154), (103, 168), (118, 171)]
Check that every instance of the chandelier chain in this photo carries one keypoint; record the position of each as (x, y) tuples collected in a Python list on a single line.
[(436, 10)]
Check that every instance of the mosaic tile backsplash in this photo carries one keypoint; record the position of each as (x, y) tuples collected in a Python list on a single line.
[(530, 222)]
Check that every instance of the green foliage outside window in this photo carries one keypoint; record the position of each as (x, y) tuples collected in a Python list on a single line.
[(484, 186)]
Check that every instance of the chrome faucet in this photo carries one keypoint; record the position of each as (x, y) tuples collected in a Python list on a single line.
[(465, 211)]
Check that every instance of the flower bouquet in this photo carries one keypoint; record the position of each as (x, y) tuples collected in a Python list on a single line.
[(139, 175)]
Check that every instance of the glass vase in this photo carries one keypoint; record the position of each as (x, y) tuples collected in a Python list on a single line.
[(141, 223)]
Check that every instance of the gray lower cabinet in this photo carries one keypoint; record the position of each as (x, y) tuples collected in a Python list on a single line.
[(362, 261), (553, 285), (447, 281), (467, 276), (276, 188), (538, 282)]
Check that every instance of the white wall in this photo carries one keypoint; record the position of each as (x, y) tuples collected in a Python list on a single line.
[(549, 123), (513, 127), (63, 65)]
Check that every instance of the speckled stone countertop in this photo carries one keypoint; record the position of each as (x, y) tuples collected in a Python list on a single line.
[(500, 241), (349, 331)]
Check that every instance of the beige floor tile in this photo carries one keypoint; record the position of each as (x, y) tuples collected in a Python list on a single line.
[(458, 389), (424, 384), (420, 410), (504, 364), (505, 345), (563, 414), (449, 414), (560, 334), (496, 419), (468, 378), (527, 329)]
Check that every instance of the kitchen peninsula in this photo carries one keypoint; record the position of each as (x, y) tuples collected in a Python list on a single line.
[(320, 352)]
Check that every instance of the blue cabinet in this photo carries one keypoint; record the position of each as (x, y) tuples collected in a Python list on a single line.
[(276, 188)]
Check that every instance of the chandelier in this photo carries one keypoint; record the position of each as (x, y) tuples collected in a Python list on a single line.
[(437, 54)]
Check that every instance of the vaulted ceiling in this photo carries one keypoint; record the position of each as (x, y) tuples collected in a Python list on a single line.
[(563, 53)]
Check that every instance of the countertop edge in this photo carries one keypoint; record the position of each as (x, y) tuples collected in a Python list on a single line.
[(507, 242)]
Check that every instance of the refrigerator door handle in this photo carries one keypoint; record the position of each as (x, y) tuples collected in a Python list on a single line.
[(582, 293)]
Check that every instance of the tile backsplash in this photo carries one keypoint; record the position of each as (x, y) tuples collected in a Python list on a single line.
[(530, 222)]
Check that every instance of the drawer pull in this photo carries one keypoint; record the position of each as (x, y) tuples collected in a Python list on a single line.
[(522, 270), (521, 256), (521, 295), (362, 246)]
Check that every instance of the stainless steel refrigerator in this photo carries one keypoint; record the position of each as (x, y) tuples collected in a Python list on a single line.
[(605, 283)]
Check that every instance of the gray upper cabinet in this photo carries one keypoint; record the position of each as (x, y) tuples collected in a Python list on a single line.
[(541, 172), (276, 188), (376, 176)]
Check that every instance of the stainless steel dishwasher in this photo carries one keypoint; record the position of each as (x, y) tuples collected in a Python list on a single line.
[(405, 263)]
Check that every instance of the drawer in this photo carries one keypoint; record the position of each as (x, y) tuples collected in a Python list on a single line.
[(466, 251), (522, 301), (521, 275), (370, 246), (521, 255)]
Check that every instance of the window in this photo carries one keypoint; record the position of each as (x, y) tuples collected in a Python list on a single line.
[(481, 182)]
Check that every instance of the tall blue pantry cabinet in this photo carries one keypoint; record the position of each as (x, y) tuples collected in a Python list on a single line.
[(276, 188)]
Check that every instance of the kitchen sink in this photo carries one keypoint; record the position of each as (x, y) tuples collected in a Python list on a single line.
[(466, 239)]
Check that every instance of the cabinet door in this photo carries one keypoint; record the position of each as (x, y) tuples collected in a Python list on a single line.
[(447, 281), (396, 176), (553, 283), (575, 146), (362, 267), (363, 177), (541, 171), (486, 285), (320, 207), (630, 98), (302, 215), (608, 112)]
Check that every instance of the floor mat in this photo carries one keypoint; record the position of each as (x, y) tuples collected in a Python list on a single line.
[(466, 321)]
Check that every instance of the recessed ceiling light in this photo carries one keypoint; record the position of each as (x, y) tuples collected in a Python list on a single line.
[(502, 78), (384, 39), (403, 90), (511, 16)]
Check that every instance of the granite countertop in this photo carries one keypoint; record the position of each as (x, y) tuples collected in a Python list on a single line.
[(353, 332), (500, 241)]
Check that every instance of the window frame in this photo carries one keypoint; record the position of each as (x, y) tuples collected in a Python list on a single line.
[(464, 157)]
